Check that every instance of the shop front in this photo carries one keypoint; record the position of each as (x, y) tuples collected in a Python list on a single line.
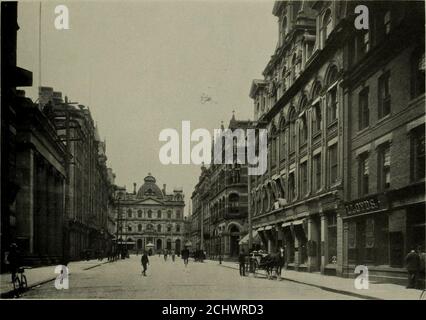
[(381, 229)]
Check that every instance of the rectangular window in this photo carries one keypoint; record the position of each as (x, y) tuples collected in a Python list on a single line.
[(317, 172), (363, 111), (291, 194), (363, 172), (303, 178), (384, 168), (418, 153), (333, 163), (384, 95)]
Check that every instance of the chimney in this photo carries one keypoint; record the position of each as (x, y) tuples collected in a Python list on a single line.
[(164, 189), (134, 187)]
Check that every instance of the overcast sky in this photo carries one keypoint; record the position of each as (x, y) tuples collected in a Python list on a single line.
[(142, 66)]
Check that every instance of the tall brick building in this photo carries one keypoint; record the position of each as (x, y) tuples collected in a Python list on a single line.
[(385, 136), (344, 109)]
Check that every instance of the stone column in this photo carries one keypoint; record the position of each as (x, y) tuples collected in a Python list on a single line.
[(25, 206), (51, 212), (324, 242), (42, 230), (342, 243), (312, 235)]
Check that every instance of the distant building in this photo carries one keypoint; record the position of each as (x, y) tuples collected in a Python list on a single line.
[(150, 218), (220, 201)]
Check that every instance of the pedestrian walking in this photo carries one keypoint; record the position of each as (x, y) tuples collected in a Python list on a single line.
[(412, 263), (242, 261), (165, 255), (173, 256), (145, 263), (185, 256)]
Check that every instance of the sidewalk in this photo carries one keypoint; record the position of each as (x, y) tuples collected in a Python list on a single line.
[(381, 291), (40, 275)]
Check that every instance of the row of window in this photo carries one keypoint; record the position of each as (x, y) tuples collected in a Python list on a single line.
[(266, 200), (150, 213), (150, 227), (417, 164)]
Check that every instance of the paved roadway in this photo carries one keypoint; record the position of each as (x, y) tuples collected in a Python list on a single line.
[(171, 280)]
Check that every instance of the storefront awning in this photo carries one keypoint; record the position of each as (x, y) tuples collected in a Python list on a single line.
[(294, 223), (245, 239)]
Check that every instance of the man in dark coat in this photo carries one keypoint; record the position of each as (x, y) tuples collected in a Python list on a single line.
[(185, 256), (14, 259), (412, 262), (145, 262), (242, 261)]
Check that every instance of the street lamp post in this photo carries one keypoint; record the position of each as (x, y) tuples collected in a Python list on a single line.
[(220, 246)]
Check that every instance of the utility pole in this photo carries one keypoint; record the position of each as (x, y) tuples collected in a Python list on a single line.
[(250, 242)]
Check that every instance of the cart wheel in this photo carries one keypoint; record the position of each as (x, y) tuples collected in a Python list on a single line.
[(16, 283), (24, 283)]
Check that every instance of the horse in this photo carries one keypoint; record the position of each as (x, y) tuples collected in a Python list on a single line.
[(273, 262)]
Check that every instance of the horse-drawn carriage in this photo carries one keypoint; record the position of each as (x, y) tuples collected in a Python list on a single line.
[(270, 262)]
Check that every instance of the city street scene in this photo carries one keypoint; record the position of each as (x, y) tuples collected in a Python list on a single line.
[(203, 150)]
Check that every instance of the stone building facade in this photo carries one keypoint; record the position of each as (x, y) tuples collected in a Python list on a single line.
[(151, 218), (87, 188), (344, 110), (297, 204)]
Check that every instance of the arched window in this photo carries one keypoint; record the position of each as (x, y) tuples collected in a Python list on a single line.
[(326, 26), (149, 214), (292, 117), (284, 28), (159, 214), (316, 108), (129, 213), (332, 104), (283, 138), (303, 128), (234, 200), (293, 68), (139, 227), (129, 228), (177, 228), (159, 228), (178, 214), (169, 214), (139, 213), (169, 228)]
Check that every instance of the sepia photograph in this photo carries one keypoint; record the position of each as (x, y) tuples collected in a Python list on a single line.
[(213, 150)]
